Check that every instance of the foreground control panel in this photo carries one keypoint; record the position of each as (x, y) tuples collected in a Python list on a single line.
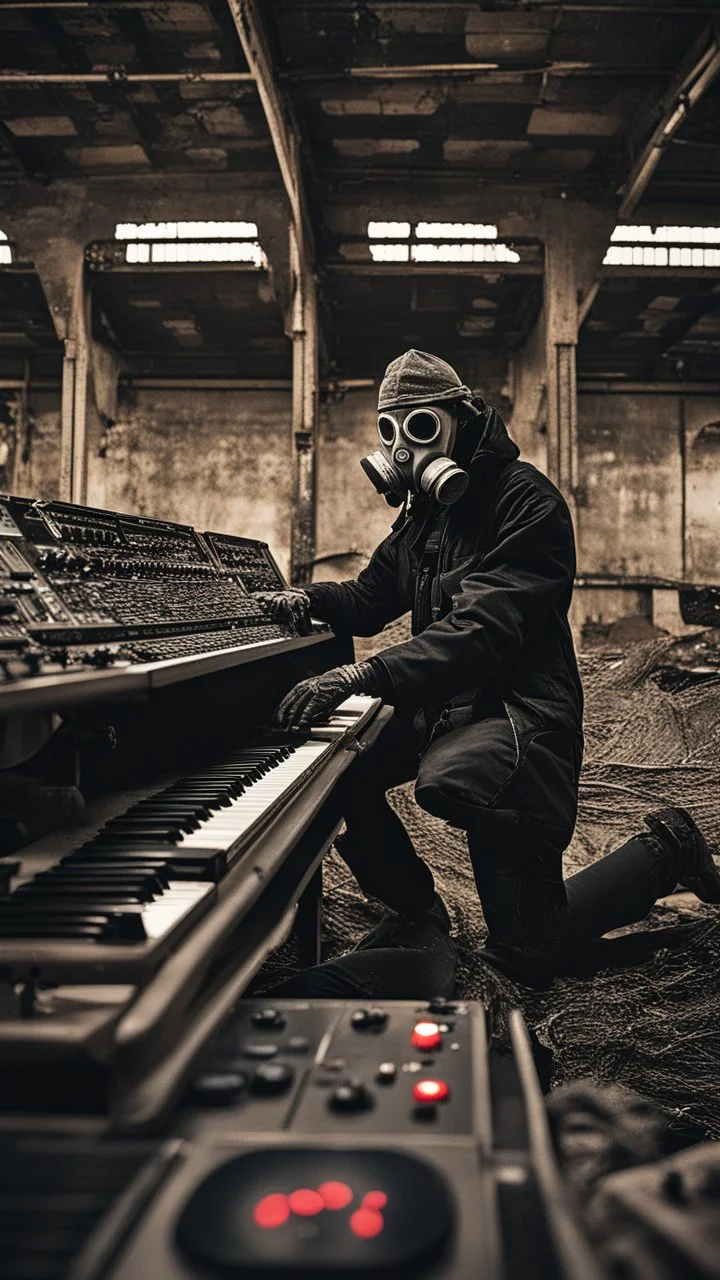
[(327, 1139), (331, 1068)]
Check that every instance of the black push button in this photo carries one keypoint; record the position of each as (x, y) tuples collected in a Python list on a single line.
[(268, 1018), (298, 1044), (350, 1095), (425, 1111), (217, 1088), (272, 1078), (371, 1019), (259, 1049), (386, 1073)]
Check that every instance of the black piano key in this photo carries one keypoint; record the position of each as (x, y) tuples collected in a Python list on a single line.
[(158, 867), (194, 812), (126, 924), (141, 827), (79, 931), (113, 877), (182, 864), (213, 798), (110, 839), (38, 892)]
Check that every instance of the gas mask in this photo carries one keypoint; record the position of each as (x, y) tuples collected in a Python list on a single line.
[(415, 457)]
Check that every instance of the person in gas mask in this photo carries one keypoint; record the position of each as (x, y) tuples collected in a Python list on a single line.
[(487, 692)]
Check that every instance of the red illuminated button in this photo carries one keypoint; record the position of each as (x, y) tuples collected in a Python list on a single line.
[(426, 1035), (366, 1223), (374, 1200), (431, 1091), (335, 1195), (271, 1211), (306, 1203)]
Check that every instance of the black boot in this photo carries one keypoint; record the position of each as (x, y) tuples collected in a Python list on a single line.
[(523, 898), (696, 869)]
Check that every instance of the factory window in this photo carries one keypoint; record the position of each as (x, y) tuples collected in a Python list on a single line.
[(5, 250), (173, 242), (388, 230), (665, 246), (438, 242)]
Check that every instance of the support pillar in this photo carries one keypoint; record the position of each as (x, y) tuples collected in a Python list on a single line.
[(75, 397), (561, 333), (304, 332), (60, 264)]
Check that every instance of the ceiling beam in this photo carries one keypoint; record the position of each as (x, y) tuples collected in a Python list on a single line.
[(285, 134), (278, 110), (693, 79), (118, 75)]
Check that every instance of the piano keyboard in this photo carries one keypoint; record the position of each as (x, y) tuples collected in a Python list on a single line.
[(143, 880)]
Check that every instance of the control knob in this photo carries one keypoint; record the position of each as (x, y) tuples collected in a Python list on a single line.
[(350, 1095), (370, 1019)]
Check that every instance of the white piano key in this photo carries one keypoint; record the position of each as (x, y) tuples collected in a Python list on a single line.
[(229, 823), (180, 896)]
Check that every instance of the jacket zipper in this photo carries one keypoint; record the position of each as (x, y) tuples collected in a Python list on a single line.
[(439, 570)]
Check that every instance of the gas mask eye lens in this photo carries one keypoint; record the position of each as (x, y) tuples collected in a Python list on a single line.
[(386, 429), (422, 426)]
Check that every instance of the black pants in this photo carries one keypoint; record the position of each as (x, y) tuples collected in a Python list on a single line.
[(527, 904)]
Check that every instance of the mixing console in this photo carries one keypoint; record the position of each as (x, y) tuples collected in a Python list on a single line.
[(83, 590)]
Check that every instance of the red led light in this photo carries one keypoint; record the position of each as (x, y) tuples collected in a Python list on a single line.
[(306, 1203), (271, 1211), (431, 1091), (366, 1223), (426, 1035), (374, 1200), (335, 1195)]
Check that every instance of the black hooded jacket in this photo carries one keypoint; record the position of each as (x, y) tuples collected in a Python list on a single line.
[(489, 581)]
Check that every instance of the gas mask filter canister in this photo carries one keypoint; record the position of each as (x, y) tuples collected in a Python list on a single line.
[(416, 444)]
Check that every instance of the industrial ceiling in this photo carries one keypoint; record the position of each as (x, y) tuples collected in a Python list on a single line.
[(401, 107)]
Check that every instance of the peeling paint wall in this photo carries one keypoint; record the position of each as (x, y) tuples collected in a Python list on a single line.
[(351, 518), (702, 501), (217, 460), (629, 517)]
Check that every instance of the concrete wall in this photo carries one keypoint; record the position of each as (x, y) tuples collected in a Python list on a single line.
[(649, 467), (217, 460), (352, 518), (39, 476), (702, 489), (629, 517), (649, 502)]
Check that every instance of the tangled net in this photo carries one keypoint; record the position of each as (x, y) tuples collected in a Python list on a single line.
[(653, 1028)]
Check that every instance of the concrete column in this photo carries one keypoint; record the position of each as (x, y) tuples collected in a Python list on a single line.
[(304, 333), (60, 265), (75, 398), (561, 334)]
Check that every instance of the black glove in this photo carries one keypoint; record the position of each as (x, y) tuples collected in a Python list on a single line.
[(314, 698), (292, 606)]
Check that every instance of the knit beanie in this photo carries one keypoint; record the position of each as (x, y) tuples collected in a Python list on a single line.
[(419, 378)]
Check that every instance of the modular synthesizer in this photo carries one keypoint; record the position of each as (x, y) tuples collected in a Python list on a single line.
[(89, 591)]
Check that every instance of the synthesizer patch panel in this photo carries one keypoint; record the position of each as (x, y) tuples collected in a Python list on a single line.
[(87, 590)]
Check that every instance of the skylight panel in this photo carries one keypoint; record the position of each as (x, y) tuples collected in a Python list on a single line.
[(388, 230), (663, 246), (455, 231)]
